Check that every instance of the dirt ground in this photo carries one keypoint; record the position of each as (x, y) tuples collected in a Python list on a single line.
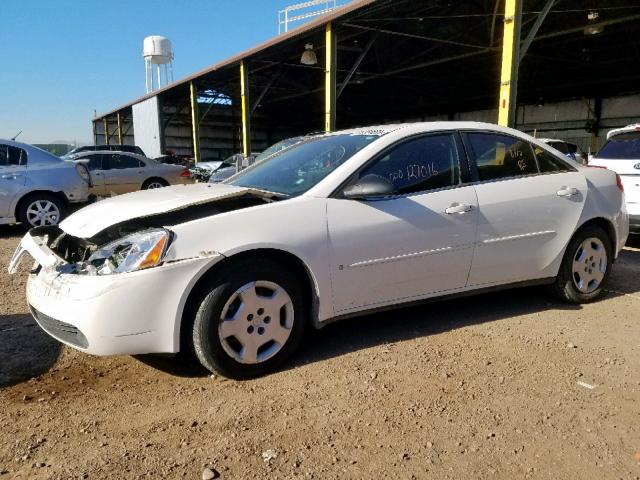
[(507, 385)]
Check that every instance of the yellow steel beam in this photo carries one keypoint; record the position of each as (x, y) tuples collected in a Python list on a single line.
[(119, 128), (246, 114), (105, 122), (510, 63), (195, 128), (330, 79)]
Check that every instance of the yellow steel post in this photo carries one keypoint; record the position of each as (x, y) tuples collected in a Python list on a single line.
[(119, 128), (510, 63), (105, 123), (330, 79), (195, 128), (246, 115)]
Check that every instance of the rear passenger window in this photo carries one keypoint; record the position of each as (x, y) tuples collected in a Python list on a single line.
[(123, 161), (419, 164), (548, 163), (12, 156), (501, 156)]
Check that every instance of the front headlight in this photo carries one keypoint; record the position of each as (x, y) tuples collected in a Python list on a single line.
[(133, 252)]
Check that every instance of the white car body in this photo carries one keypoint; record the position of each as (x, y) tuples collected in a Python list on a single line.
[(628, 167), (358, 255)]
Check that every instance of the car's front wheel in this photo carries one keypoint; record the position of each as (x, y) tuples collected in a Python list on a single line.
[(585, 266), (40, 209), (250, 320)]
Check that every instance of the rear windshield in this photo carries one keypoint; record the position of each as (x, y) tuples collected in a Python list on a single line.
[(622, 146)]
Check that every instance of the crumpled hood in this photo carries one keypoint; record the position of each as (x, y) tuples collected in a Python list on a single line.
[(94, 218)]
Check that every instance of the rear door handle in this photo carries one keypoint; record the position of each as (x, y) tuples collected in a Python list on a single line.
[(10, 176), (567, 192), (458, 208)]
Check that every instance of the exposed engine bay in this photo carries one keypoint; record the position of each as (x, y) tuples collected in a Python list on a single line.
[(76, 250)]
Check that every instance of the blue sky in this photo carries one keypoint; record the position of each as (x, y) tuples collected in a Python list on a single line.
[(62, 58)]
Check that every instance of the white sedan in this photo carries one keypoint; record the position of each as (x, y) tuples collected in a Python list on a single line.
[(339, 225)]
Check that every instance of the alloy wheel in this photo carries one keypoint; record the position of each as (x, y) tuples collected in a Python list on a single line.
[(43, 212), (589, 265), (256, 322)]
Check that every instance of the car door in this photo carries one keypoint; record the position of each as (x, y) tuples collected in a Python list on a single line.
[(96, 170), (410, 245), (529, 204), (13, 176), (124, 174)]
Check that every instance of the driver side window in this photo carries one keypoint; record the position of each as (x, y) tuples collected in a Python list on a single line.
[(423, 163)]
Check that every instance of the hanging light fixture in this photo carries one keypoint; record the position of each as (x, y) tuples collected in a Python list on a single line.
[(309, 57)]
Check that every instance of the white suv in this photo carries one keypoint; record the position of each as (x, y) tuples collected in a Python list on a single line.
[(621, 154)]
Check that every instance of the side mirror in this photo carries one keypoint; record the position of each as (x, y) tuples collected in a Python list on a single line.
[(368, 187)]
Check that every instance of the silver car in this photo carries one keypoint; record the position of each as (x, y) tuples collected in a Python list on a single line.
[(113, 173), (37, 188)]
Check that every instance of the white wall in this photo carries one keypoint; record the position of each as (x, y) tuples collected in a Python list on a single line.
[(146, 127)]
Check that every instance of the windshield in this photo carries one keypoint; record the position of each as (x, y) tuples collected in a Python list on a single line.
[(622, 146), (300, 167), (276, 147)]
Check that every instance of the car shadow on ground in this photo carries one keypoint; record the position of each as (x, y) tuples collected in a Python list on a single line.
[(391, 326), (422, 321), (25, 350), (12, 231)]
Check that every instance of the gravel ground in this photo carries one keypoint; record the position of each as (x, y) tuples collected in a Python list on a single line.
[(507, 385)]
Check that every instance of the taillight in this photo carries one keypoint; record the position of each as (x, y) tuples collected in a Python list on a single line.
[(185, 174), (619, 183), (83, 172)]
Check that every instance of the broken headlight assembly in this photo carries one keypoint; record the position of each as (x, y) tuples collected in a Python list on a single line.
[(134, 252)]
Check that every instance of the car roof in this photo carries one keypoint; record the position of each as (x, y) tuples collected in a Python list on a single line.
[(425, 126), (39, 154), (111, 152)]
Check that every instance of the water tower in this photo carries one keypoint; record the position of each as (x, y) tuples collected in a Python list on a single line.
[(157, 52)]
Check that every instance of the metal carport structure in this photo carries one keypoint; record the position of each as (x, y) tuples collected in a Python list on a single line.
[(383, 61)]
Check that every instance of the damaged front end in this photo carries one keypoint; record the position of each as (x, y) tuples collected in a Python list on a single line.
[(131, 245), (53, 249)]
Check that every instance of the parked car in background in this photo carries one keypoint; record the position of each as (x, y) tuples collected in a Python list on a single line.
[(569, 149), (202, 171), (101, 148), (114, 173), (224, 172), (36, 187), (338, 225), (621, 153)]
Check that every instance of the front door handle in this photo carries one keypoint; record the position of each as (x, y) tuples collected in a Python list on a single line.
[(10, 176), (567, 192), (458, 208)]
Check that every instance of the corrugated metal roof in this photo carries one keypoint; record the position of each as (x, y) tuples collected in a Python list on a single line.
[(306, 28)]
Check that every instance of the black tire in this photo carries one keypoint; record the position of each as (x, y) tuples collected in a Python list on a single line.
[(30, 200), (151, 181), (565, 286), (207, 344)]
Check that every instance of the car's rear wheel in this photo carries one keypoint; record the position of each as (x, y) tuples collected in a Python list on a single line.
[(40, 209), (154, 183), (250, 320), (585, 266)]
